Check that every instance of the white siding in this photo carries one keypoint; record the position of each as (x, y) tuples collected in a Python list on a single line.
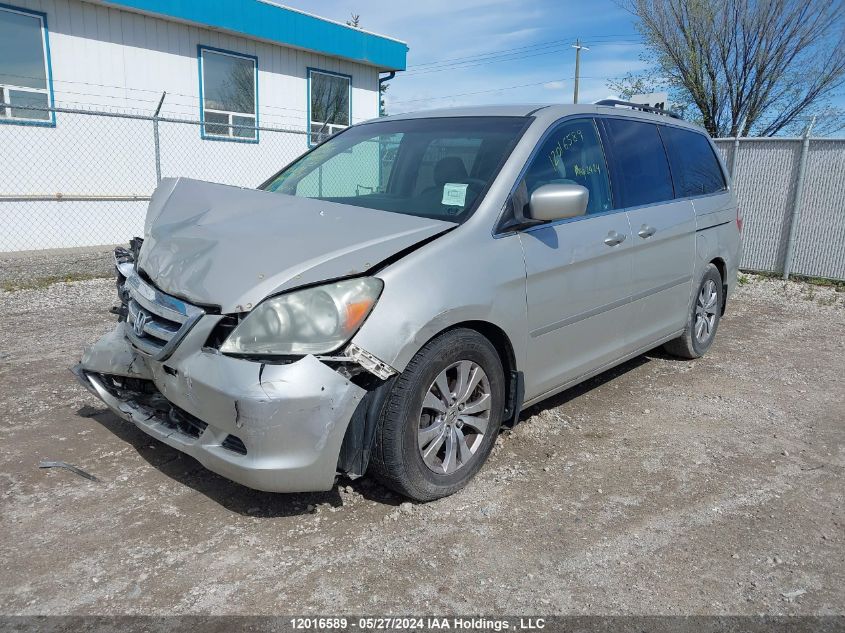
[(118, 60), (114, 60)]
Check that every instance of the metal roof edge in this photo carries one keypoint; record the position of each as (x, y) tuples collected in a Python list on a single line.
[(277, 24), (338, 22)]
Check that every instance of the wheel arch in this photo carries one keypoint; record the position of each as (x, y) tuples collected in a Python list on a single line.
[(357, 442), (514, 384), (722, 267), (495, 335)]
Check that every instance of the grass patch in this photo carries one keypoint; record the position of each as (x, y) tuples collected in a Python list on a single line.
[(836, 284), (40, 283)]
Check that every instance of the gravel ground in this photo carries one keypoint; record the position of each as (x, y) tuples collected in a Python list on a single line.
[(660, 487), (37, 269)]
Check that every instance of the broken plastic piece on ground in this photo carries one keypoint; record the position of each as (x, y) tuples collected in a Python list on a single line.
[(70, 467)]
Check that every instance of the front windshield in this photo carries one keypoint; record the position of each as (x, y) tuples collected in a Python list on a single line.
[(436, 167)]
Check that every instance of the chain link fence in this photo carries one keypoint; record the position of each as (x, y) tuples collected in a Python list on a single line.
[(86, 180)]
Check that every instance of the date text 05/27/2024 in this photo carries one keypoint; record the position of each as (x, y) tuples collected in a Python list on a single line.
[(417, 623)]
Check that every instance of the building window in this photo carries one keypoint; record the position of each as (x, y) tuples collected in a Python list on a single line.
[(328, 104), (25, 92), (228, 95)]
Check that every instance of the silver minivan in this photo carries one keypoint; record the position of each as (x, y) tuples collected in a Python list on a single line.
[(390, 299)]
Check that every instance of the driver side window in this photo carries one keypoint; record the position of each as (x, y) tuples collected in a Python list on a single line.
[(572, 154)]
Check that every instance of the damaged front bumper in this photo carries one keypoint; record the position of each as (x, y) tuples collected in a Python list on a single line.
[(272, 427)]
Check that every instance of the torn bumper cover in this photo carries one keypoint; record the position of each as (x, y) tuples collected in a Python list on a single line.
[(272, 427)]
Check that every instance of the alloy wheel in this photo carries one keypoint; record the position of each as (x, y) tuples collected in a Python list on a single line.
[(706, 308), (454, 417)]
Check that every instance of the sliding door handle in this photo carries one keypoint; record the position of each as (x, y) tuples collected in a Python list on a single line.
[(646, 231), (613, 238)]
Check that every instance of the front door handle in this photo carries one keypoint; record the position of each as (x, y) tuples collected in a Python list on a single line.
[(646, 231), (613, 238)]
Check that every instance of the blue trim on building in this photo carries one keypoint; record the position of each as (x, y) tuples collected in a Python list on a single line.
[(308, 72), (280, 25), (49, 62), (216, 137)]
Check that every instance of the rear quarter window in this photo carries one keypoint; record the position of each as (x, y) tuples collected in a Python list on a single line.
[(695, 168), (641, 170)]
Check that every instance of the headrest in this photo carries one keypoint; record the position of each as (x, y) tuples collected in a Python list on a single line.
[(449, 169)]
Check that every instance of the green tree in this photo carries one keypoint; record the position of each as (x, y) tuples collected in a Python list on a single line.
[(382, 88)]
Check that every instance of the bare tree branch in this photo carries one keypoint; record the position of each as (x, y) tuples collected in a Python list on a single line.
[(745, 65)]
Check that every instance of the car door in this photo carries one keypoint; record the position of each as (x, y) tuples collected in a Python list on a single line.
[(578, 271), (698, 176), (663, 230)]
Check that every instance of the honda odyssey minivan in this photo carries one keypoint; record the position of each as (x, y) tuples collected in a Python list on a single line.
[(386, 302)]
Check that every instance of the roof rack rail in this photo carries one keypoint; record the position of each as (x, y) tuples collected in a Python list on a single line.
[(638, 106)]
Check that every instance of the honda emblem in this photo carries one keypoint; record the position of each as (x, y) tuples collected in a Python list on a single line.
[(141, 319)]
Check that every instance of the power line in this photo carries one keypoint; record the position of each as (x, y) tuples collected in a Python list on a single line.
[(625, 38), (490, 58), (478, 92), (493, 58)]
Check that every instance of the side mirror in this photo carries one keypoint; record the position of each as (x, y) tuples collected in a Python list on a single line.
[(558, 202)]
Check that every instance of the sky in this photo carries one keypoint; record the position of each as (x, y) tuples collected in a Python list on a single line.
[(469, 52)]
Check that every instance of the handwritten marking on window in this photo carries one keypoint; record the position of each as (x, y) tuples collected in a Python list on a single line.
[(563, 144), (588, 170)]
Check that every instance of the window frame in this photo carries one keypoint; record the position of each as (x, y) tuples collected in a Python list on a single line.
[(5, 111), (716, 157), (201, 48), (498, 231), (310, 71), (598, 120), (601, 141), (615, 166)]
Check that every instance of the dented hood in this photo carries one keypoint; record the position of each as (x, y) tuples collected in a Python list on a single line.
[(219, 245)]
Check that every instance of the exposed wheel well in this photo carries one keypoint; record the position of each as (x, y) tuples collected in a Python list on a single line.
[(720, 265), (358, 441), (496, 336), (513, 376)]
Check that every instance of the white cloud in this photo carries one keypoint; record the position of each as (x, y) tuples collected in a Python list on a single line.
[(442, 30)]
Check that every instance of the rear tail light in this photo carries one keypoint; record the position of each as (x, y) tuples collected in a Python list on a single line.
[(738, 220)]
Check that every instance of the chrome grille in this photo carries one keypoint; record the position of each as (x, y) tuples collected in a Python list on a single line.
[(156, 322)]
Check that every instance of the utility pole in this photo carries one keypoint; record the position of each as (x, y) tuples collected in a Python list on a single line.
[(577, 46)]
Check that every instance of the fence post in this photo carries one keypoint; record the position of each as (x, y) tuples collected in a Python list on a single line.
[(796, 206), (736, 149), (155, 138)]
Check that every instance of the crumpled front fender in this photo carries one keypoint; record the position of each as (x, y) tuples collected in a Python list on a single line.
[(113, 354)]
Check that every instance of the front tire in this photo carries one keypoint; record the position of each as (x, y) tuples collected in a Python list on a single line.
[(703, 318), (441, 417)]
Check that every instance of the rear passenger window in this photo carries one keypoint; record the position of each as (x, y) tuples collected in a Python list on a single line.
[(641, 173), (695, 169), (572, 154)]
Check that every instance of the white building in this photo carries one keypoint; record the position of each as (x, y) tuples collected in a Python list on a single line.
[(232, 67)]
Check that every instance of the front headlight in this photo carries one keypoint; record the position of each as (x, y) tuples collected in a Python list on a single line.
[(311, 321)]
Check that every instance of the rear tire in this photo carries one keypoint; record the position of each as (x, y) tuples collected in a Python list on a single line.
[(441, 418), (703, 318)]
